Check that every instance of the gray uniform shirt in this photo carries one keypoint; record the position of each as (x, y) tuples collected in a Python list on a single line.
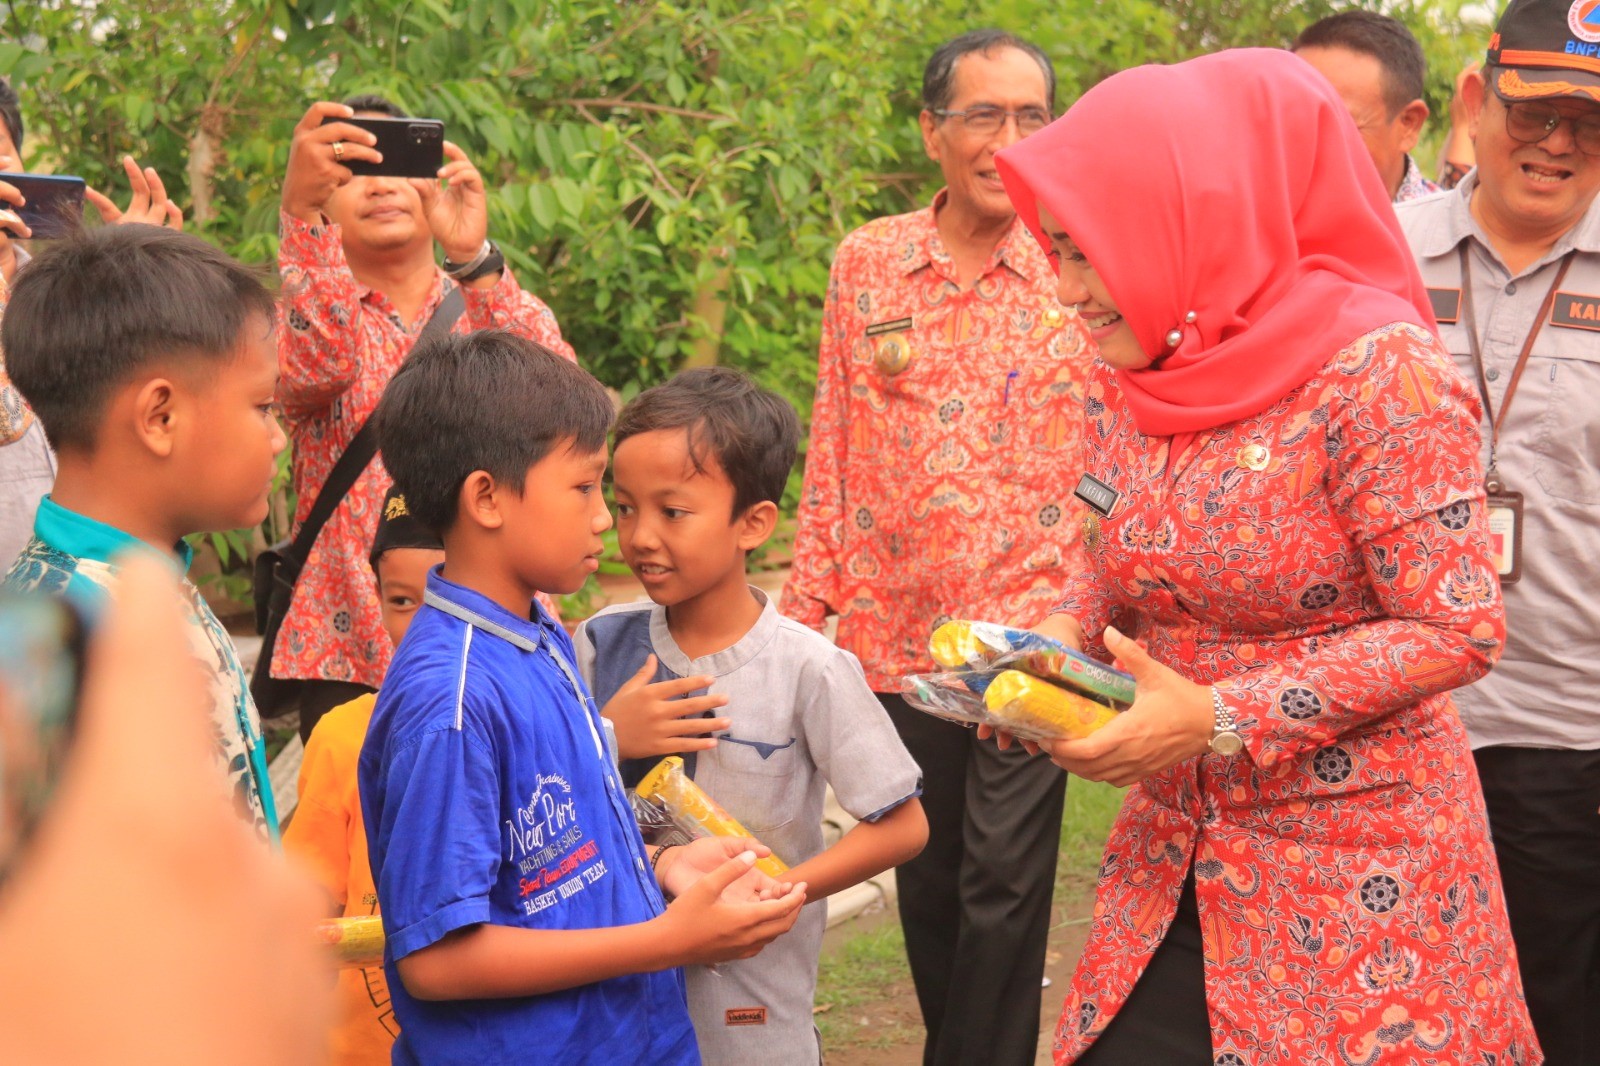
[(803, 718), (1542, 693)]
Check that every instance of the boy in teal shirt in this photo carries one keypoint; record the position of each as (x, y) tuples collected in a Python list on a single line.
[(147, 356)]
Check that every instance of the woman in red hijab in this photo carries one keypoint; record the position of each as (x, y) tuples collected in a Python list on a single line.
[(1287, 505)]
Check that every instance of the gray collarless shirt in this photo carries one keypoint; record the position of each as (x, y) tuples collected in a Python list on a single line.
[(803, 719), (1542, 693)]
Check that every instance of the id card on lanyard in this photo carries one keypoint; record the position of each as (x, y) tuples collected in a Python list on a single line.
[(1504, 506)]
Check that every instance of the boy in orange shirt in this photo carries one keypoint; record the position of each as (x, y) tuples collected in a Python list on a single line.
[(327, 831)]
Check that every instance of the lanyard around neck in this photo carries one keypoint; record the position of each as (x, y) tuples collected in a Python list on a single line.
[(1496, 421)]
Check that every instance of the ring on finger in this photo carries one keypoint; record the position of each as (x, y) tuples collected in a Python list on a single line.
[(338, 151)]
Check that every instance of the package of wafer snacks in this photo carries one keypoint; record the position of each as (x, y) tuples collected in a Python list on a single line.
[(988, 647), (356, 942), (1035, 709), (692, 810), (950, 695)]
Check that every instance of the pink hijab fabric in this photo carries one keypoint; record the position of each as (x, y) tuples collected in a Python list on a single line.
[(1235, 186)]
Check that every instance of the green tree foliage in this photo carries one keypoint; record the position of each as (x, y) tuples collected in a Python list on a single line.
[(671, 176)]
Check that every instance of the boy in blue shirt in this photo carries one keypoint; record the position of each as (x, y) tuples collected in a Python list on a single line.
[(525, 920), (701, 464), (148, 357)]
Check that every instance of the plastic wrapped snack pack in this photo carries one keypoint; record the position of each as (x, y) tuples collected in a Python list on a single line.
[(1035, 709), (952, 695), (986, 646), (692, 810), (356, 942)]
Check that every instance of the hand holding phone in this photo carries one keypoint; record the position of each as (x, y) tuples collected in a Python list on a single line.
[(11, 200), (51, 207), (456, 206), (324, 145), (408, 147)]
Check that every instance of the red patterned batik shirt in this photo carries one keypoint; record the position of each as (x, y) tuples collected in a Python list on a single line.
[(1325, 564), (941, 488), (339, 343)]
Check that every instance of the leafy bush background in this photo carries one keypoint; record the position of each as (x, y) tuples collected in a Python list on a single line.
[(670, 176)]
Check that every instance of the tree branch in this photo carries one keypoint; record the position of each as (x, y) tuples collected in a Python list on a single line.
[(643, 105)]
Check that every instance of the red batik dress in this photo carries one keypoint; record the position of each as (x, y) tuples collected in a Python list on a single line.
[(339, 343), (1325, 564)]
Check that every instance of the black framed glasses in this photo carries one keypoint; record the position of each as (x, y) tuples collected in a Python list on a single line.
[(1530, 122), (985, 121)]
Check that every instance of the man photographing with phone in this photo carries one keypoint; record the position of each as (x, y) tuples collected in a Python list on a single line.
[(360, 285)]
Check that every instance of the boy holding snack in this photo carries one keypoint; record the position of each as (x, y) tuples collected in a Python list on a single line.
[(524, 919), (701, 464)]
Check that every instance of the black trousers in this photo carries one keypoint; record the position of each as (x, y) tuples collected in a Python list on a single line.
[(975, 905), (1544, 815), (1164, 1020), (317, 698)]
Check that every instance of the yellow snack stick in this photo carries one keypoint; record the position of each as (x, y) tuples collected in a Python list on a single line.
[(955, 645), (688, 805), (1035, 709), (356, 942)]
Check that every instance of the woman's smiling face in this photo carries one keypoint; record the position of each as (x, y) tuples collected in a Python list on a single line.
[(1079, 286)]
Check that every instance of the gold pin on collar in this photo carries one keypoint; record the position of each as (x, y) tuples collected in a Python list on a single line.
[(892, 354), (1253, 457), (1053, 318)]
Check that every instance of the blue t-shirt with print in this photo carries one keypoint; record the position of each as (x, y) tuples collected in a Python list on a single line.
[(489, 797)]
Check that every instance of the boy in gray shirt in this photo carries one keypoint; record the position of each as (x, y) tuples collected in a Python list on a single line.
[(699, 467)]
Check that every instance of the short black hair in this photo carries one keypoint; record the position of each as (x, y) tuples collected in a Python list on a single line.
[(11, 114), (1399, 55), (939, 76), (373, 103), (92, 310), (486, 400), (752, 433)]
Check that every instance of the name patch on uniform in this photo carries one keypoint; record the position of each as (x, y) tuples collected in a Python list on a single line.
[(745, 1016), (1576, 311), (1097, 494), (1446, 305), (899, 325)]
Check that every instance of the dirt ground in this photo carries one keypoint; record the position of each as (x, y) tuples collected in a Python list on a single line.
[(896, 1012)]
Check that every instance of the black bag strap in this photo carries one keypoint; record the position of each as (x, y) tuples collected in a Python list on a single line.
[(364, 445)]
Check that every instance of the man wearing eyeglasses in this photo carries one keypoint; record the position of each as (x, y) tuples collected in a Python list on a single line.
[(1511, 259), (945, 444)]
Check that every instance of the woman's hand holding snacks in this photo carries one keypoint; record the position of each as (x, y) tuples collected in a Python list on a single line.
[(1171, 720)]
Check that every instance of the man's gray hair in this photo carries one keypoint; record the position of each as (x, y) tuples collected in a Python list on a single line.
[(938, 79)]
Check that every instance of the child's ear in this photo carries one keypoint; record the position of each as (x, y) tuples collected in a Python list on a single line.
[(479, 501), (756, 525), (155, 414)]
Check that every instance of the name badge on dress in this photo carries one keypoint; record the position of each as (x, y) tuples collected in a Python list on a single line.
[(1097, 494)]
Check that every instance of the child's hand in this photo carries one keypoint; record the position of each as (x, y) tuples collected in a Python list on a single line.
[(680, 867), (652, 720), (707, 929)]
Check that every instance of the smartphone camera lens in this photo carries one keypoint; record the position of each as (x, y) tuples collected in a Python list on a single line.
[(420, 134)]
